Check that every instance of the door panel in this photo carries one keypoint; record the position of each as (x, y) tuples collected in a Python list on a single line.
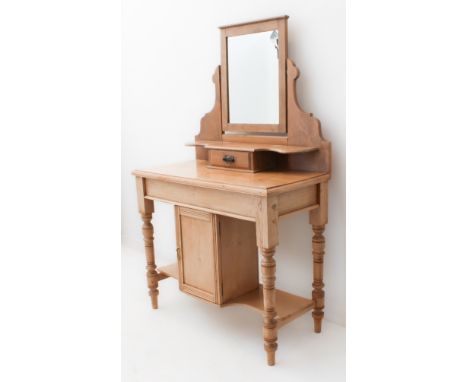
[(197, 253)]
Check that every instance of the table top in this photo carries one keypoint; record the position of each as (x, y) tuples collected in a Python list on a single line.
[(197, 173)]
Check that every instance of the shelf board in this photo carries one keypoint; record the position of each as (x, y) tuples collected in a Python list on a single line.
[(171, 270), (251, 147), (288, 306)]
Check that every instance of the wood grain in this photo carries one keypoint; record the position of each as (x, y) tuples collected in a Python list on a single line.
[(196, 173), (146, 209), (270, 330), (249, 161), (224, 202), (304, 129), (238, 257), (296, 200), (254, 22), (318, 218), (197, 253), (279, 24), (151, 274), (242, 159), (253, 147), (318, 295), (171, 270), (210, 124), (256, 138), (288, 306)]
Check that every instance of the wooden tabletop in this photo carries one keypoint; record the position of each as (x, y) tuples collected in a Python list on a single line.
[(196, 173)]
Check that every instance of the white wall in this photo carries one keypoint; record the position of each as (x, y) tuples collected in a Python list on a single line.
[(170, 50)]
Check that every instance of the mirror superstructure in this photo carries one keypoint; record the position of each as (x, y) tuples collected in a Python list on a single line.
[(256, 123)]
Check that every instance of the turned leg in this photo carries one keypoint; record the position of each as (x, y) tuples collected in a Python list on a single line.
[(318, 295), (151, 273), (270, 330), (146, 208)]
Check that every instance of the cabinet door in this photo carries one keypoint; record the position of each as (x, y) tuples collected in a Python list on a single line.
[(197, 253)]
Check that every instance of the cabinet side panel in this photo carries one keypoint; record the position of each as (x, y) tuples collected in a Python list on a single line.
[(238, 257)]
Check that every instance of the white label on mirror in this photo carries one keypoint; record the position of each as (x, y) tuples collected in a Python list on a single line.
[(253, 78)]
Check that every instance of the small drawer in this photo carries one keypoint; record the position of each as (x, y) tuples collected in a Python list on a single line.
[(240, 160)]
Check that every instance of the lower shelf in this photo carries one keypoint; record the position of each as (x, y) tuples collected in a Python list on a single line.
[(288, 306), (171, 270)]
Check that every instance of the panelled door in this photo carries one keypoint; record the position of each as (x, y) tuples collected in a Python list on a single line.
[(197, 253)]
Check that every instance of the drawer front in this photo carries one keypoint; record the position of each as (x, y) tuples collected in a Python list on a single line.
[(240, 160)]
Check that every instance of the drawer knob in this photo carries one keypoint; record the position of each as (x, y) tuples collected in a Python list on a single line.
[(229, 159)]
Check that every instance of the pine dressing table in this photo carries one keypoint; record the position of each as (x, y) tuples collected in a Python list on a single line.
[(258, 157)]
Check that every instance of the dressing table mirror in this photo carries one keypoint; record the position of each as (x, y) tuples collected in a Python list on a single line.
[(253, 77), (258, 157)]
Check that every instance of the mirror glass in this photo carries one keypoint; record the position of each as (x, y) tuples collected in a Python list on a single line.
[(253, 78)]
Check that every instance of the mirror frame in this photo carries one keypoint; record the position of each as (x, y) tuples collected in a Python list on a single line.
[(279, 23)]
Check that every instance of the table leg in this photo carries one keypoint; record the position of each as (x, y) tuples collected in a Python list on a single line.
[(151, 273), (318, 295), (270, 330), (318, 219)]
